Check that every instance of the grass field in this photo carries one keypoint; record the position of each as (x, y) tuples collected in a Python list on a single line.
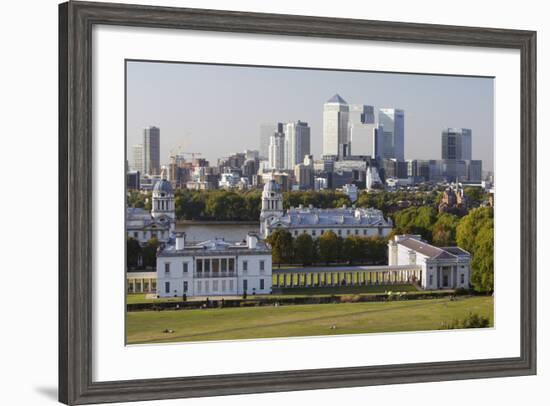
[(301, 320)]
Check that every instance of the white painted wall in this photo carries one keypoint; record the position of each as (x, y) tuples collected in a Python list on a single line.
[(213, 286)]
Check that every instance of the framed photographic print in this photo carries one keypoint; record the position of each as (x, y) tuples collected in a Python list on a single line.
[(260, 202)]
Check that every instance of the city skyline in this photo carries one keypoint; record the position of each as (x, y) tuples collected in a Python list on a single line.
[(219, 109)]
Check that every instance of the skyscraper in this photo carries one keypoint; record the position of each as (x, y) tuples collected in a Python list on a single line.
[(137, 162), (297, 143), (335, 127), (151, 151), (361, 130), (456, 143), (266, 131), (277, 151), (390, 134)]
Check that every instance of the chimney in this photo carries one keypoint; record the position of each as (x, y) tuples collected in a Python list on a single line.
[(180, 241), (251, 240)]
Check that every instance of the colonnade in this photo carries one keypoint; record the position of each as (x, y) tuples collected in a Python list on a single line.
[(141, 282), (349, 277)]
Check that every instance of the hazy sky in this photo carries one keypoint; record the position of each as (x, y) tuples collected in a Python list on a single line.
[(218, 109)]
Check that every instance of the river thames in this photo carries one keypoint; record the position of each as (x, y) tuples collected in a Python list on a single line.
[(201, 231)]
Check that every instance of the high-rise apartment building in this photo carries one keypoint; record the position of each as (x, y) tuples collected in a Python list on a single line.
[(456, 143), (266, 131), (335, 127), (151, 151), (277, 151), (390, 134), (137, 162), (297, 143)]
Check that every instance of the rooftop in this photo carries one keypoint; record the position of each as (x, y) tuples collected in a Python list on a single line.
[(351, 216), (337, 99), (215, 246), (432, 251)]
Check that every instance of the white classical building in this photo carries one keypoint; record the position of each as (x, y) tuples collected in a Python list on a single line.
[(143, 225), (343, 221), (214, 268), (441, 267)]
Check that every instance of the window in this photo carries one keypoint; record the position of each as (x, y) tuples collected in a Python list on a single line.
[(185, 286), (199, 265), (262, 265), (206, 286), (322, 232), (245, 285), (224, 264), (245, 266), (206, 265), (136, 234), (199, 286), (231, 264), (231, 286), (365, 232), (167, 267), (214, 286), (314, 233), (339, 232), (356, 232), (348, 232), (461, 278), (215, 265), (224, 285), (185, 267), (261, 284), (431, 280), (295, 232), (166, 287)]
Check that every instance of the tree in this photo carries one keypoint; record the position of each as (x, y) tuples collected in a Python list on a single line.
[(281, 246), (444, 230), (377, 250), (150, 252), (328, 247), (304, 249), (416, 220), (133, 252), (353, 249), (482, 263), (470, 225), (474, 195), (475, 234)]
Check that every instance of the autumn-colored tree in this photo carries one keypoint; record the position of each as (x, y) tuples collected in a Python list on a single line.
[(328, 247), (304, 249)]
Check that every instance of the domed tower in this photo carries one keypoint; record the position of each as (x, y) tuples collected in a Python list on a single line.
[(272, 205), (163, 203)]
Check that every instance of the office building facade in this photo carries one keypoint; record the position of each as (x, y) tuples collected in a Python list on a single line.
[(297, 143), (390, 134), (151, 151), (335, 127), (456, 143)]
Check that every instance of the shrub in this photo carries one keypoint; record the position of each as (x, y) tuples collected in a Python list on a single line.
[(473, 320)]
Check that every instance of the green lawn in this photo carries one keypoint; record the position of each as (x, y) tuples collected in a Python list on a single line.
[(301, 320)]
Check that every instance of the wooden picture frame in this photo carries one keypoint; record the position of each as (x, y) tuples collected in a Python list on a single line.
[(76, 20)]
